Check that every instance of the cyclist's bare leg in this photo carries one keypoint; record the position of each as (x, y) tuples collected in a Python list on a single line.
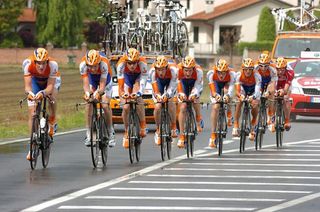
[(172, 112), (271, 89), (182, 115), (197, 109), (125, 115), (107, 110), (287, 109), (236, 119), (156, 113), (214, 116), (31, 110), (52, 108), (142, 117)]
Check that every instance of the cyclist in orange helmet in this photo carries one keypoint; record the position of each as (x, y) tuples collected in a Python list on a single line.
[(285, 77), (248, 84), (164, 85), (190, 86), (269, 79), (41, 78), (132, 78), (220, 77), (96, 75)]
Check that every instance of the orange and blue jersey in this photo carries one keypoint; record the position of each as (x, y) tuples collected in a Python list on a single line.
[(39, 79), (103, 71), (216, 84), (250, 85), (192, 85), (127, 78), (167, 84), (267, 76)]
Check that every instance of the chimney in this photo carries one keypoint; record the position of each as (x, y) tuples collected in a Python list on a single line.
[(209, 6)]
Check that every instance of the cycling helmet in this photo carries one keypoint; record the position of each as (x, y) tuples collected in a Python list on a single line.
[(264, 58), (222, 65), (188, 62), (132, 55), (93, 57), (40, 55), (281, 62), (247, 64), (161, 62)]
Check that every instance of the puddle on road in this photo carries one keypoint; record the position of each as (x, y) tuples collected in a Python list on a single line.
[(14, 148)]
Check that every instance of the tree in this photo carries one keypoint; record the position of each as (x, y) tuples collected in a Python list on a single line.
[(9, 13), (63, 23), (266, 26)]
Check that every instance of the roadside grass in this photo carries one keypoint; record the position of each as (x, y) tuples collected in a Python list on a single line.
[(13, 119)]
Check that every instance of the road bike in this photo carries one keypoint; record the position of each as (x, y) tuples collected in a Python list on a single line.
[(190, 129), (246, 127), (262, 123), (99, 133), (165, 131), (222, 127), (40, 139), (279, 125)]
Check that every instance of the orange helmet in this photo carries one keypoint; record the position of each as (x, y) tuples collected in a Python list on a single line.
[(222, 65), (247, 64), (188, 62), (281, 62), (93, 57), (264, 58), (132, 55), (40, 54), (161, 62)]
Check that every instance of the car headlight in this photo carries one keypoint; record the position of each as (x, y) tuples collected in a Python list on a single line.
[(296, 90)]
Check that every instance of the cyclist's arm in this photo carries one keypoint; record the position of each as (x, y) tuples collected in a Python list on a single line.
[(120, 75), (257, 88), (154, 82), (84, 76), (52, 77), (144, 76), (238, 84), (198, 85), (105, 69), (173, 82), (27, 75), (212, 85), (290, 76)]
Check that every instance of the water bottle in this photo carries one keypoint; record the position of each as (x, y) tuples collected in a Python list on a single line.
[(42, 124)]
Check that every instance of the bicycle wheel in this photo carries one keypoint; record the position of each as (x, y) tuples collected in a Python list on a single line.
[(168, 138), (34, 147), (138, 138), (104, 140), (45, 147), (220, 135), (279, 128), (186, 135), (94, 140), (259, 130), (192, 133), (243, 133), (131, 135), (183, 39), (163, 137)]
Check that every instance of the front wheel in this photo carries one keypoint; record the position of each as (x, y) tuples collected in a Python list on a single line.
[(34, 146), (94, 139), (104, 140), (45, 150), (243, 133)]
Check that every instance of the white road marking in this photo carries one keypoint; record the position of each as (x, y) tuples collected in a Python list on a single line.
[(88, 190), (277, 154), (210, 190), (291, 150), (233, 176), (251, 164), (291, 203), (224, 142), (222, 183), (303, 146), (242, 170), (258, 159), (27, 139), (186, 198), (153, 208)]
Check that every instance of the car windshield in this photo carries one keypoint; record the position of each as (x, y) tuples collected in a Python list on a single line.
[(291, 47), (307, 69)]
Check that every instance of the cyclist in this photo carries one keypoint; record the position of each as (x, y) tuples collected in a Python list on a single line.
[(248, 83), (269, 78), (132, 77), (220, 77), (285, 77), (41, 78), (164, 84), (96, 75), (190, 85)]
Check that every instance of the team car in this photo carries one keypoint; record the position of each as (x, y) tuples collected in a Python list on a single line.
[(147, 95), (305, 94)]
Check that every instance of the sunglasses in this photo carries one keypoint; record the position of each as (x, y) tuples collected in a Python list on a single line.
[(221, 72), (40, 62), (248, 69), (92, 67), (131, 63), (188, 69), (263, 65)]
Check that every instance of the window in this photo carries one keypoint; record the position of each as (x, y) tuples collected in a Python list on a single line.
[(196, 34)]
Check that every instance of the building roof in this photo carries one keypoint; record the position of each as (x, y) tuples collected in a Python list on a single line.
[(28, 15), (224, 9)]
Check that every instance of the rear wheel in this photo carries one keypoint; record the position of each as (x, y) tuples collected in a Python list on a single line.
[(131, 135), (163, 141), (279, 128)]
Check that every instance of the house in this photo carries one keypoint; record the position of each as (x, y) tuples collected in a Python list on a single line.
[(27, 20), (207, 26)]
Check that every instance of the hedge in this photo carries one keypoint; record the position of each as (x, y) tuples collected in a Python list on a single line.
[(258, 46)]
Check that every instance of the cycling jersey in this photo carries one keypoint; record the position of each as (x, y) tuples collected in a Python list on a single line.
[(248, 85), (192, 85), (267, 76), (216, 84), (94, 75), (166, 84), (285, 78), (127, 78), (39, 79)]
